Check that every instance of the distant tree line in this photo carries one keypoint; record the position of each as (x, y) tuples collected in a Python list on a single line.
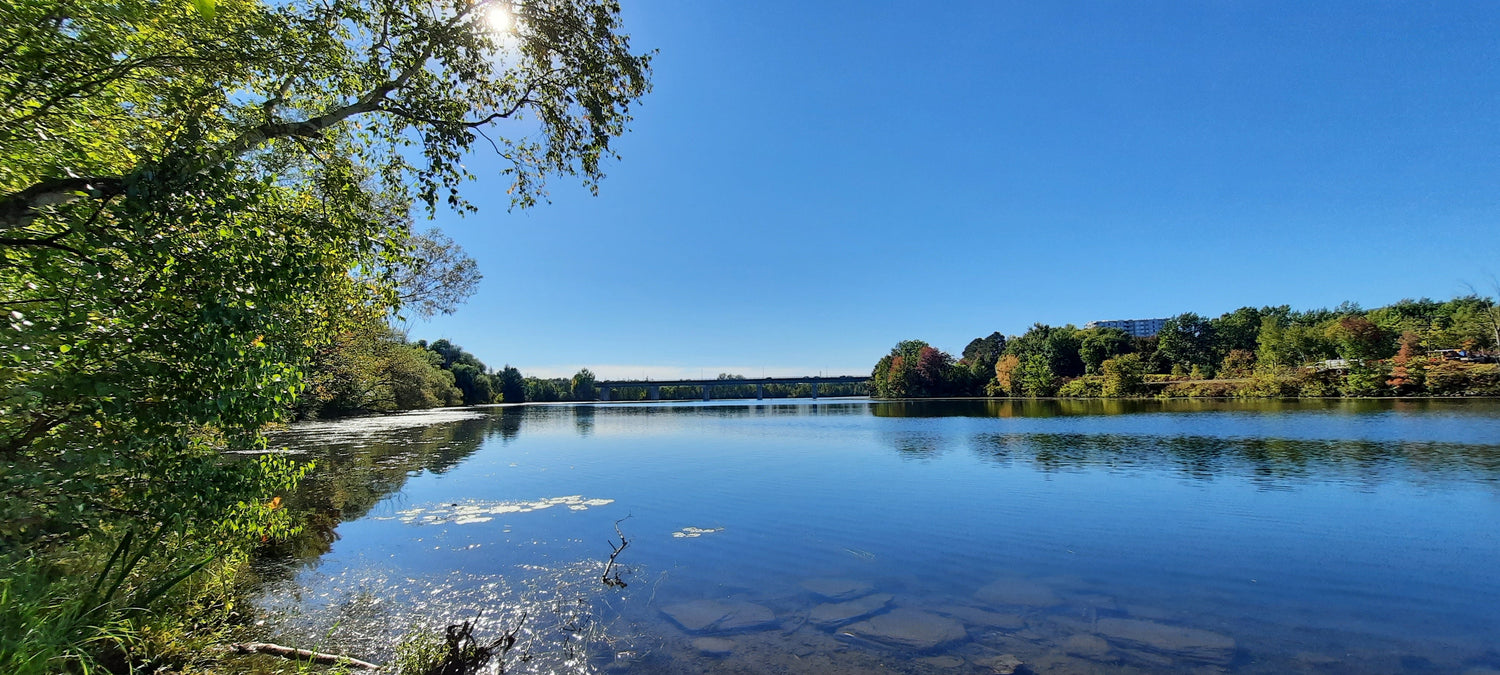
[(1412, 347), (375, 369)]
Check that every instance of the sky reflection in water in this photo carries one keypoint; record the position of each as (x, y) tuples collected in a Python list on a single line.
[(1318, 536)]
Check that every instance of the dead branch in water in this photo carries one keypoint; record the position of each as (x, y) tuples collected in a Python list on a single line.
[(301, 655), (466, 655), (615, 553)]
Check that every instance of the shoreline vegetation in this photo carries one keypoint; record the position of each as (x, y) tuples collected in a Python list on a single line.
[(206, 209), (1413, 348)]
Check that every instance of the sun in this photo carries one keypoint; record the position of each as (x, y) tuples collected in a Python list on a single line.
[(499, 18)]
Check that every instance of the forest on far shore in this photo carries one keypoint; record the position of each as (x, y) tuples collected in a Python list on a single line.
[(1409, 348)]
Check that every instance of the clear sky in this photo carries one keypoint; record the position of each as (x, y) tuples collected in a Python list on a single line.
[(810, 182)]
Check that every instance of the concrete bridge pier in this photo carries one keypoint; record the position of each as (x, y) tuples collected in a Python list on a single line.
[(653, 393), (760, 391), (707, 388), (604, 393), (815, 389)]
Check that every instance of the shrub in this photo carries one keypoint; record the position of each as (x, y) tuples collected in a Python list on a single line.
[(1123, 375), (1452, 378), (1237, 363), (1366, 379), (1203, 389), (1316, 383), (1088, 386)]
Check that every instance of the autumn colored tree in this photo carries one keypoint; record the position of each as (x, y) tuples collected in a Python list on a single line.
[(1007, 381), (934, 372), (1407, 366), (1237, 363), (1358, 338)]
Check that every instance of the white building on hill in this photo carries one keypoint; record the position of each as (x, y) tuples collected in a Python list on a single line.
[(1136, 327)]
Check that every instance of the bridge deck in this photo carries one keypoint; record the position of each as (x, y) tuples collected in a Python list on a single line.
[(838, 379)]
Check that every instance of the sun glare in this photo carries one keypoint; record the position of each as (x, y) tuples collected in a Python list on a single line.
[(500, 19)]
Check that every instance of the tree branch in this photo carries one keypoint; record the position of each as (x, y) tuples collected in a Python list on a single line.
[(295, 654)]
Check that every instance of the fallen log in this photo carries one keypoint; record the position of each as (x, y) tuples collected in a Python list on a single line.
[(309, 655)]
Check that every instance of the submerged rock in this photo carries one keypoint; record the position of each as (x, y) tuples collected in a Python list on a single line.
[(1190, 643), (1018, 592), (1087, 646), (908, 628), (983, 618), (713, 646), (838, 589), (1004, 664), (945, 662), (717, 616), (839, 613)]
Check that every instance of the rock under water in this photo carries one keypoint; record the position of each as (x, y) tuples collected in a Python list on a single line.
[(908, 628), (838, 589), (1190, 643), (839, 613), (719, 616)]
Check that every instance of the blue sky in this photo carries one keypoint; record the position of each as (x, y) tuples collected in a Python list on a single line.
[(810, 182)]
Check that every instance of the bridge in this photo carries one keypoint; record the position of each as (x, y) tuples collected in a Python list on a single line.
[(653, 387)]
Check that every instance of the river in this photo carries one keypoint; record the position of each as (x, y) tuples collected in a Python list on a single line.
[(860, 536)]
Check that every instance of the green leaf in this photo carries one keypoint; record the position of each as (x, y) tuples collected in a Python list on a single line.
[(204, 7)]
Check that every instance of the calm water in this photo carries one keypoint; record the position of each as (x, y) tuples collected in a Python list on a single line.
[(1075, 537)]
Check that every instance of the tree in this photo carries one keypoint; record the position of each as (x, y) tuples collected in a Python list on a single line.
[(1007, 380), (412, 379), (512, 385), (1058, 345), (194, 205), (1100, 344), (934, 372), (981, 353), (1124, 375), (582, 386), (1407, 366), (895, 376), (1237, 363), (435, 276), (1358, 338), (1037, 377), (474, 382), (1271, 350), (1239, 329), (1187, 340)]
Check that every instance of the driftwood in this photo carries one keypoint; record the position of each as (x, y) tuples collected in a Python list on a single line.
[(615, 553), (465, 656), (301, 655)]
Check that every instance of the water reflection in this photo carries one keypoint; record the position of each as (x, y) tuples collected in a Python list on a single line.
[(361, 462), (1127, 536), (1272, 460), (1046, 408)]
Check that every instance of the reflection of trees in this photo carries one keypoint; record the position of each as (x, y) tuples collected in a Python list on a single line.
[(583, 419), (356, 470), (1269, 461), (914, 444), (1010, 407), (506, 423)]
